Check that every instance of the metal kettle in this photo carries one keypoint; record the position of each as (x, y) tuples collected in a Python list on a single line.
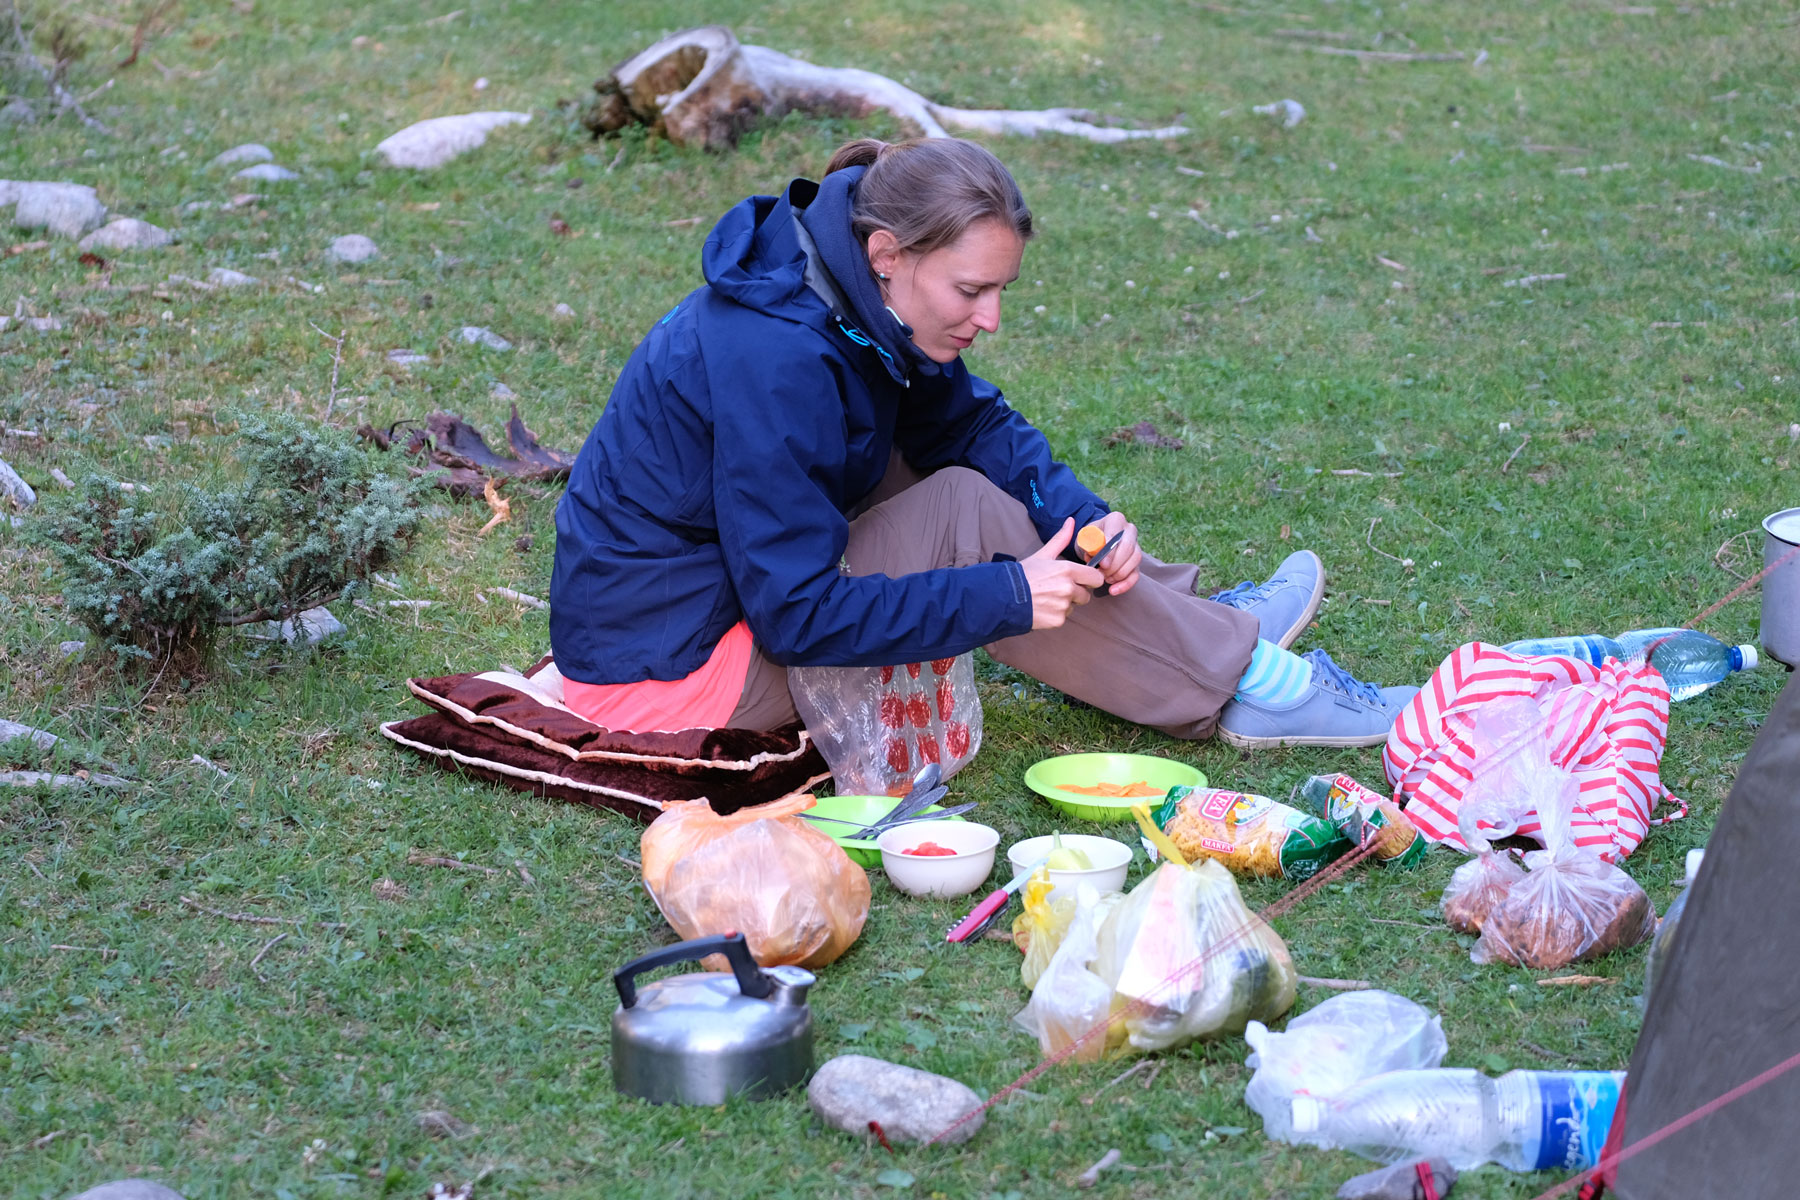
[(703, 1038)]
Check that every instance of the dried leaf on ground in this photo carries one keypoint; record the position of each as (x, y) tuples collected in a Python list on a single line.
[(501, 507)]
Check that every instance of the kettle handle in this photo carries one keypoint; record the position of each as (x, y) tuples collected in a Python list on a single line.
[(750, 978)]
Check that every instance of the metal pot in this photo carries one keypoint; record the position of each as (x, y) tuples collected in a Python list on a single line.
[(1781, 587), (706, 1037)]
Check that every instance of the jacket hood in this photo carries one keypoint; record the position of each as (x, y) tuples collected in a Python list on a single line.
[(775, 254), (754, 258)]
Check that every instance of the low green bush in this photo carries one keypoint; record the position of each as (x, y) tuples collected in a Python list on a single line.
[(310, 518)]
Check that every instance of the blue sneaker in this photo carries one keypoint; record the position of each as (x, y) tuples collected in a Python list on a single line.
[(1338, 710), (1285, 603)]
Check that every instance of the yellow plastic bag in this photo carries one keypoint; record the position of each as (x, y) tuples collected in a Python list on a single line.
[(788, 888), (1040, 929)]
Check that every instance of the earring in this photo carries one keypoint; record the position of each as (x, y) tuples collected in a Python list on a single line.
[(881, 274)]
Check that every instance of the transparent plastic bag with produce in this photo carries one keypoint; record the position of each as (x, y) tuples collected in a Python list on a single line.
[(877, 726), (1251, 835), (1068, 999), (1186, 959), (792, 891), (1332, 1047)]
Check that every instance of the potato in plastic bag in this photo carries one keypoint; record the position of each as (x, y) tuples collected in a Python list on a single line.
[(788, 888)]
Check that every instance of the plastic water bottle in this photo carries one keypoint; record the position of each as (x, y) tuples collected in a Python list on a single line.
[(1524, 1120), (1689, 661)]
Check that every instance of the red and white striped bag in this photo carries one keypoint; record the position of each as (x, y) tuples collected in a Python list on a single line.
[(1606, 724)]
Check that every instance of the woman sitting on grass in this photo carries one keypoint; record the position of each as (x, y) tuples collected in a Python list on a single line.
[(796, 468)]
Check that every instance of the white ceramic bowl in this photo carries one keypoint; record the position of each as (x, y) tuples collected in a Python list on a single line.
[(939, 874), (1110, 859)]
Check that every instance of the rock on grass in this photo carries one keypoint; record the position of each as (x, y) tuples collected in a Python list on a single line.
[(130, 1189), (352, 248), (65, 209), (126, 233), (434, 142), (910, 1105), (267, 173), (249, 152), (226, 277), (475, 335)]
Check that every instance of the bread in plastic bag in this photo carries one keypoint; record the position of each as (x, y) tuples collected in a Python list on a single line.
[(1476, 888), (1327, 1049), (788, 888), (1571, 905), (878, 726)]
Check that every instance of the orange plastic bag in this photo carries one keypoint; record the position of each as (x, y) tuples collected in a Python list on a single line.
[(789, 889)]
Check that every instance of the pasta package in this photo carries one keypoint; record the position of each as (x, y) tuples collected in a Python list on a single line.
[(1249, 834)]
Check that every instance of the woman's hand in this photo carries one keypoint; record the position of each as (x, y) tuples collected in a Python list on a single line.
[(1057, 584), (1121, 566)]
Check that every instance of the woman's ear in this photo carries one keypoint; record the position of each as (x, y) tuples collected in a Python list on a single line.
[(884, 253)]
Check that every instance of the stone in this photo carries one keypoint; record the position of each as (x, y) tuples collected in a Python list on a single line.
[(65, 209), (501, 392), (130, 1189), (909, 1104), (14, 488), (126, 233), (407, 358), (267, 173), (249, 152), (18, 112), (70, 649), (434, 142), (44, 324), (563, 311), (313, 626), (1399, 1182), (475, 335), (352, 248), (226, 277)]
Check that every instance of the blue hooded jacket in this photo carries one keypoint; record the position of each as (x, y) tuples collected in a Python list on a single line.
[(742, 430)]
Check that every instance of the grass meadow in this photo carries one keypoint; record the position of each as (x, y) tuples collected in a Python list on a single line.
[(1333, 318)]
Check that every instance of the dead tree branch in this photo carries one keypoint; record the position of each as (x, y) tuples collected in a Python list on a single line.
[(702, 87)]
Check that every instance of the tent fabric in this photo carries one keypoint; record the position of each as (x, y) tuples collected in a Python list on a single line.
[(1607, 725), (1724, 1007)]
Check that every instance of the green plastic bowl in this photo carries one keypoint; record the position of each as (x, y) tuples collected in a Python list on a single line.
[(1047, 777), (863, 810)]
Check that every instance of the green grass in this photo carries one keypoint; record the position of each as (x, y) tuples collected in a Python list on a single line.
[(1278, 357)]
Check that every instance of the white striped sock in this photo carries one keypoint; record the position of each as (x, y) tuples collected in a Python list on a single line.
[(1276, 677)]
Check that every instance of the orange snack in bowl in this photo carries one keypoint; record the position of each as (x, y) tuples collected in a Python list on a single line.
[(1091, 540), (1118, 791)]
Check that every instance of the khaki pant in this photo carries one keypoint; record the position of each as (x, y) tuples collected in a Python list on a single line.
[(1158, 655)]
